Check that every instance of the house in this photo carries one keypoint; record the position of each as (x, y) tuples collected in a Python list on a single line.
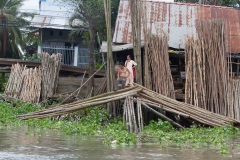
[(52, 27), (178, 20)]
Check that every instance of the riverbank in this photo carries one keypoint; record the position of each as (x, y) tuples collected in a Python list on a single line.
[(97, 122)]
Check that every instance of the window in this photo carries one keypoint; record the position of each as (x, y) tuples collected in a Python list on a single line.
[(51, 33), (60, 33)]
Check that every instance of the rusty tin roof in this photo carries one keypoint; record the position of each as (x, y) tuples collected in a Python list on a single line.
[(178, 20)]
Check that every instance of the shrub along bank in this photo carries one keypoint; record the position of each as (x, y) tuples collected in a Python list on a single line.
[(97, 121)]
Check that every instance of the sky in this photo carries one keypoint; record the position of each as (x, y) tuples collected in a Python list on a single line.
[(30, 5), (47, 8)]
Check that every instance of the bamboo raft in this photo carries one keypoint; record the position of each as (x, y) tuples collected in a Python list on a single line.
[(149, 99)]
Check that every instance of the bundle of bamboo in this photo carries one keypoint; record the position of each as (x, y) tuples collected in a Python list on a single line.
[(208, 84), (82, 104), (149, 99), (31, 86), (159, 63), (129, 117), (50, 73), (233, 98), (14, 84), (24, 84)]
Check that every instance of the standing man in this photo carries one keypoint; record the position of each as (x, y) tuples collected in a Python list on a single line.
[(122, 76), (130, 64)]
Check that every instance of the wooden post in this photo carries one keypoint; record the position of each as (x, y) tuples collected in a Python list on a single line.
[(146, 64), (110, 65), (135, 7)]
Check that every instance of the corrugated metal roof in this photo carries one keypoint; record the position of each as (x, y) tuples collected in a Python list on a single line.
[(178, 20), (116, 47), (40, 21)]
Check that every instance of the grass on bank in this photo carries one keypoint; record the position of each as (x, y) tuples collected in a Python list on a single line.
[(96, 121)]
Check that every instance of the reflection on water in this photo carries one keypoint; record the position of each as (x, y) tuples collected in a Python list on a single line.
[(18, 144)]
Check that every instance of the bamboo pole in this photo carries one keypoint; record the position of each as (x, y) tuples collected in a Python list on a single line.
[(162, 116)]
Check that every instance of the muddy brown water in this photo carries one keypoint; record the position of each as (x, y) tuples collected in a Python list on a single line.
[(20, 144)]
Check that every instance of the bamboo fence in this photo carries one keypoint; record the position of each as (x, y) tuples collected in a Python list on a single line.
[(208, 84), (50, 74), (148, 98)]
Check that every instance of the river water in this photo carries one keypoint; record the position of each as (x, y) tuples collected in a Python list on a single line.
[(20, 144)]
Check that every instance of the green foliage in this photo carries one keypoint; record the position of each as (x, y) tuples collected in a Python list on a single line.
[(93, 121), (34, 57), (12, 36), (116, 133), (3, 82), (97, 121), (9, 112), (193, 137), (229, 3)]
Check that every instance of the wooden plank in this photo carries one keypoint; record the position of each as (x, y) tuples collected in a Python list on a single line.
[(9, 62)]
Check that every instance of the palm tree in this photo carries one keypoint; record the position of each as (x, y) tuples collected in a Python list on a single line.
[(11, 20)]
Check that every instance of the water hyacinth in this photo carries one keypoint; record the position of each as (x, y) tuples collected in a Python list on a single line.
[(97, 122)]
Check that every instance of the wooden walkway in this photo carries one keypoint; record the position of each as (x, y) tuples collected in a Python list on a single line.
[(6, 63)]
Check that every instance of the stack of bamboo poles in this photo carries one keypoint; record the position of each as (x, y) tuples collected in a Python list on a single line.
[(159, 63), (83, 104), (31, 86), (102, 88), (129, 117), (149, 99), (207, 72), (50, 73), (134, 122), (14, 84), (24, 84)]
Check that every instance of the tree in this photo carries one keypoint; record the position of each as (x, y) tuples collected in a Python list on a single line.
[(91, 18), (229, 3), (11, 20)]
